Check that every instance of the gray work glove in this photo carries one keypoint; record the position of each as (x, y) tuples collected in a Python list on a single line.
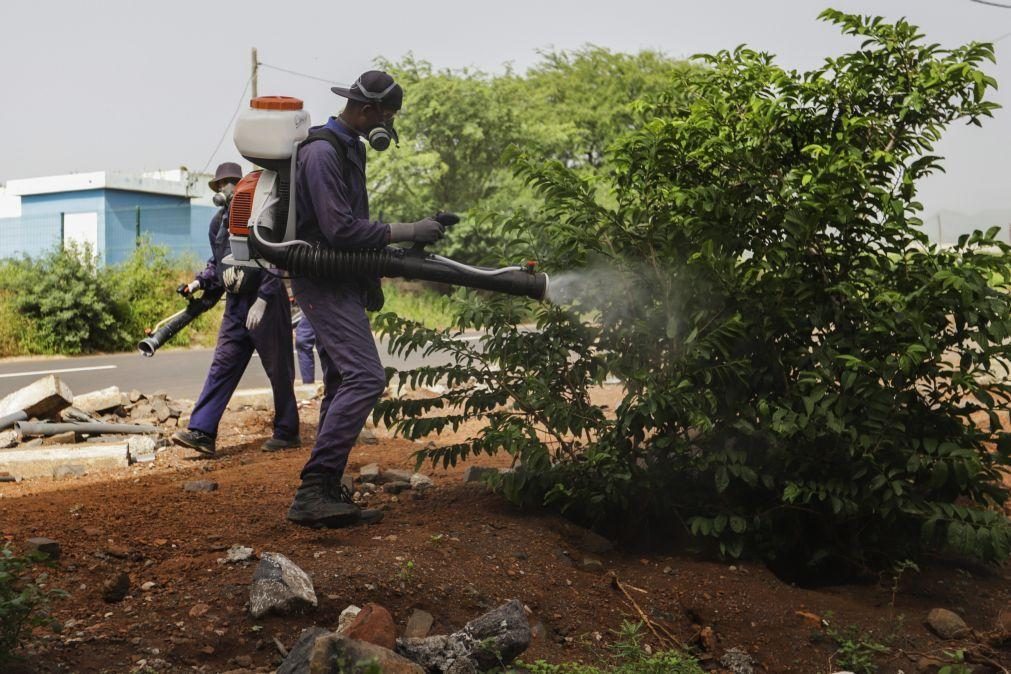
[(422, 231), (255, 314)]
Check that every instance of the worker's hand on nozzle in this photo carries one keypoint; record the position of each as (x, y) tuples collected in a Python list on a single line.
[(255, 314), (422, 231), (446, 219), (187, 289)]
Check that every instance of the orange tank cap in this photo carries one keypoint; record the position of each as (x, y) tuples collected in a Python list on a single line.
[(276, 103)]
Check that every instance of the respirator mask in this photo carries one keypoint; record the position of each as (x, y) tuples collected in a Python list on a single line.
[(379, 137), (223, 196)]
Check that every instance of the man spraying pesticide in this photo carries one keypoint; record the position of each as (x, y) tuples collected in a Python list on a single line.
[(307, 213)]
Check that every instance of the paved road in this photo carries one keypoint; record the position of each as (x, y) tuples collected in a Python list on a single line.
[(180, 373)]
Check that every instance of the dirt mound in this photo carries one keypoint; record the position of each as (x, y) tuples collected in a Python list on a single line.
[(452, 550)]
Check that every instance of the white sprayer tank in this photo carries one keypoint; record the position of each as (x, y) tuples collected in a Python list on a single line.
[(270, 127)]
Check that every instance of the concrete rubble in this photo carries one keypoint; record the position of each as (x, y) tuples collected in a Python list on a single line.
[(51, 433)]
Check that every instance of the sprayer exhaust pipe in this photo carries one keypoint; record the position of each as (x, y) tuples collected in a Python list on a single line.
[(171, 326), (329, 264)]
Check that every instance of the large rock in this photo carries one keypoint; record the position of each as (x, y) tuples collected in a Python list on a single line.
[(31, 462), (297, 661), (494, 639), (339, 654), (42, 399), (947, 624), (373, 624), (279, 586), (99, 401)]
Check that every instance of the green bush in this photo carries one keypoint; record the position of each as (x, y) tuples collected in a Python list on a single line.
[(69, 300), (66, 303), (803, 372), (144, 287), (23, 600)]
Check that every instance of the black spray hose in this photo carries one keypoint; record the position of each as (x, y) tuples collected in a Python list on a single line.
[(329, 264), (168, 328)]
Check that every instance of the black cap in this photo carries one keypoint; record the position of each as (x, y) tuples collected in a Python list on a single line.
[(375, 86)]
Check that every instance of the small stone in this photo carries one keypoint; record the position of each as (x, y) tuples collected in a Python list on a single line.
[(947, 624), (396, 487), (478, 473), (8, 439), (347, 616), (708, 639), (148, 586), (418, 624), (45, 546), (199, 610), (142, 448), (591, 564), (374, 625), (421, 482), (737, 661), (142, 411), (244, 661), (207, 650), (117, 551), (116, 588), (200, 485), (394, 475), (161, 410), (369, 473), (239, 553), (367, 437), (135, 395)]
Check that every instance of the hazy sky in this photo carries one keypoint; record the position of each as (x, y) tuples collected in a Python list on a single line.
[(146, 85)]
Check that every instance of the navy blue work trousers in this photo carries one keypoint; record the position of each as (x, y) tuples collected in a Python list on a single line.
[(272, 341), (353, 375)]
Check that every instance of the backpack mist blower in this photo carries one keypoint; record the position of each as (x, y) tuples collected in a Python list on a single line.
[(262, 218)]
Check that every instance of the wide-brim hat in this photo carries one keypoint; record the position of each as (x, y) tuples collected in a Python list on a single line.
[(229, 170), (374, 86)]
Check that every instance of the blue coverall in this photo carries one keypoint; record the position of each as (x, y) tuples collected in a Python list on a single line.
[(333, 210), (235, 346), (305, 340)]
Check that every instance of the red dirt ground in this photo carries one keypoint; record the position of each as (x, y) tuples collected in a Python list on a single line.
[(455, 553)]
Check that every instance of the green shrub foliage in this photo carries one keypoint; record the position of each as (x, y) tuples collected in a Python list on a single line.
[(806, 379)]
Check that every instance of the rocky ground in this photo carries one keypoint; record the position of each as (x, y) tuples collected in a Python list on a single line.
[(158, 559)]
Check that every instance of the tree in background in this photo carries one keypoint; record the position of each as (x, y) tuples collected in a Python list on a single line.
[(458, 125), (806, 379)]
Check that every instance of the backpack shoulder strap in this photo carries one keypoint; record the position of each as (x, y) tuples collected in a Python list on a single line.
[(330, 137)]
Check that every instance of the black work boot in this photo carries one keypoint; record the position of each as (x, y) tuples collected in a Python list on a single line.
[(196, 440), (338, 492), (314, 507), (277, 444)]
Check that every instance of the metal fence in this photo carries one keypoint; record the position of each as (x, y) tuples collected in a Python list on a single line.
[(113, 233)]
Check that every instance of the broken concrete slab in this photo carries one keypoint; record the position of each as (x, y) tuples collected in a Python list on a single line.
[(42, 399), (43, 461), (99, 401), (263, 398), (338, 654)]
